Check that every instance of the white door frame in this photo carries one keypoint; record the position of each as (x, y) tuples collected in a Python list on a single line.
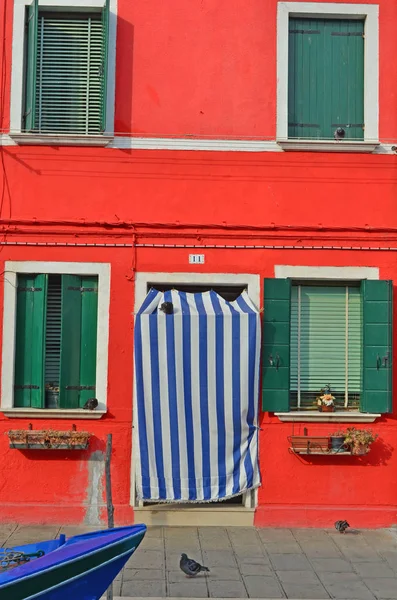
[(252, 283)]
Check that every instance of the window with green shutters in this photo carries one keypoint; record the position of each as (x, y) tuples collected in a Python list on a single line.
[(66, 71), (319, 334), (56, 341), (325, 78), (326, 344)]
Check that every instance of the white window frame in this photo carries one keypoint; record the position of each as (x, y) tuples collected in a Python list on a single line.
[(17, 74), (368, 12), (326, 274), (11, 271), (142, 279)]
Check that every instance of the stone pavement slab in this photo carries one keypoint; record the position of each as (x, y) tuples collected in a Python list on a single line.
[(251, 563)]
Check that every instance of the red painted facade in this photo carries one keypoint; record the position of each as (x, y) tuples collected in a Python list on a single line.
[(198, 70)]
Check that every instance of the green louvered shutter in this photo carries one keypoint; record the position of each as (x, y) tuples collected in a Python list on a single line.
[(325, 78), (105, 47), (31, 65), (79, 340), (30, 336), (276, 345), (70, 76), (377, 346), (326, 343)]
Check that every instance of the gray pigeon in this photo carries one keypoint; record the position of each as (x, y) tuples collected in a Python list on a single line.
[(191, 567), (91, 404)]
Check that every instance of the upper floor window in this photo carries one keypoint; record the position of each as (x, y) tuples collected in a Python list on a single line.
[(326, 79), (63, 75), (66, 66), (328, 76)]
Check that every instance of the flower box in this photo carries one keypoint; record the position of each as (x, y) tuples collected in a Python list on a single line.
[(30, 439)]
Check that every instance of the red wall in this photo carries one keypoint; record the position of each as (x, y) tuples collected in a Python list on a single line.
[(201, 69)]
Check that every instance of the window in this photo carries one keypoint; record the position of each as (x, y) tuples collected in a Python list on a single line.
[(56, 340), (327, 76), (66, 71), (326, 79), (316, 335), (325, 344)]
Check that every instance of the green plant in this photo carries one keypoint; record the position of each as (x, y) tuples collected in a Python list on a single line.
[(356, 438)]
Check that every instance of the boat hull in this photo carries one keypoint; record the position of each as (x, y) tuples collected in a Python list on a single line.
[(82, 568)]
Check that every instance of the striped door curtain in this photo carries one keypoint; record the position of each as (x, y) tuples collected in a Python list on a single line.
[(196, 390)]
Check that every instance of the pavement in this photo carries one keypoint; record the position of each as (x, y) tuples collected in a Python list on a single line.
[(249, 563)]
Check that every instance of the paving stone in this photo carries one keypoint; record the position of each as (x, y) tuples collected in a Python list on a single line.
[(226, 589), (333, 565), (391, 558), (219, 558), (320, 549), (305, 590), (146, 559), (188, 589), (29, 535), (182, 545), (380, 539), (184, 533), (155, 531), (310, 535), (376, 569), (345, 585), (356, 555), (242, 536), (283, 547), (254, 566), (178, 576), (276, 535), (143, 574), (252, 551), (263, 587), (290, 562), (214, 539), (152, 543), (224, 574), (384, 587), (303, 577), (138, 589)]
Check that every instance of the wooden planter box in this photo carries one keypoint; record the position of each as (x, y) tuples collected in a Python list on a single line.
[(29, 439)]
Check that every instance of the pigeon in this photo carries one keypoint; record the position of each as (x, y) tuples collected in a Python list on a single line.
[(339, 133), (191, 567), (91, 404), (167, 308), (341, 526)]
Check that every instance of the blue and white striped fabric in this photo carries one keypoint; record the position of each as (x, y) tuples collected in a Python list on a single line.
[(196, 386)]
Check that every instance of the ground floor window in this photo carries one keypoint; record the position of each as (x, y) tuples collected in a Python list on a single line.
[(55, 340), (326, 344)]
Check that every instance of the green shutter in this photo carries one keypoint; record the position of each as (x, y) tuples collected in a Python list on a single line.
[(70, 76), (377, 346), (30, 336), (276, 345), (325, 344), (31, 65), (78, 341), (105, 47), (325, 78)]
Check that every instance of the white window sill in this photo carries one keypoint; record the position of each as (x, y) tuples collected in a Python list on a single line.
[(48, 139), (52, 413), (326, 417), (329, 145)]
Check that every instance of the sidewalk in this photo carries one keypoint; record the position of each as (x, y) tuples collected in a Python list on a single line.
[(251, 563)]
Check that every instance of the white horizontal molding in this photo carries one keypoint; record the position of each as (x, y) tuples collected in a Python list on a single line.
[(358, 147), (185, 144), (52, 413), (33, 139), (325, 273), (326, 417), (229, 145)]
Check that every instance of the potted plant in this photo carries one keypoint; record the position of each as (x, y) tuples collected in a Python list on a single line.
[(325, 401), (338, 441), (359, 440)]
